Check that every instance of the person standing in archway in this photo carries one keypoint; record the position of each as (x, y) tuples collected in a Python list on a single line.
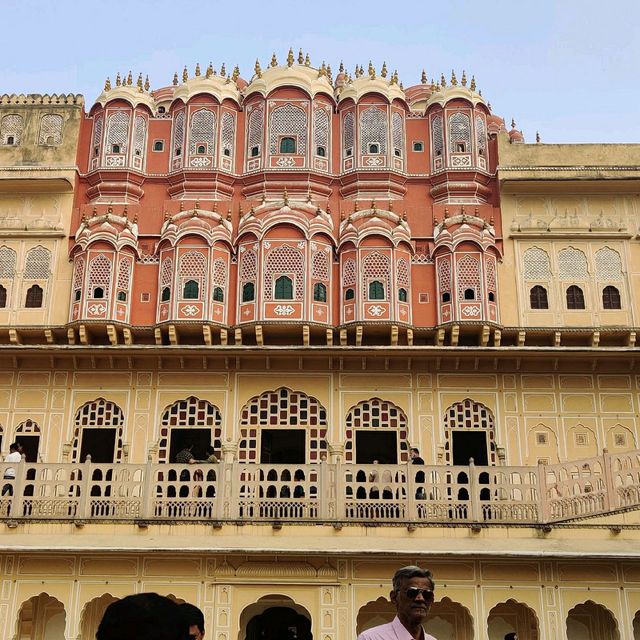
[(412, 595)]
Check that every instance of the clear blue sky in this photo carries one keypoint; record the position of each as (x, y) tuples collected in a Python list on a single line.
[(568, 69)]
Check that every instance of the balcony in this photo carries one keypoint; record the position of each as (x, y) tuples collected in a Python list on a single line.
[(333, 494)]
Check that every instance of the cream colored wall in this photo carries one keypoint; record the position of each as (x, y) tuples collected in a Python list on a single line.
[(579, 414), (332, 591)]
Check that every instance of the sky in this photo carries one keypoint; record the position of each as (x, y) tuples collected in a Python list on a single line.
[(567, 69)]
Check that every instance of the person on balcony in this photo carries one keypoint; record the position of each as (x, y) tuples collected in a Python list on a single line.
[(195, 620), (412, 595), (414, 454), (14, 455)]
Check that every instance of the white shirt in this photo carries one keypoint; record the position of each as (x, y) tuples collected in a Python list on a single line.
[(395, 630), (14, 456)]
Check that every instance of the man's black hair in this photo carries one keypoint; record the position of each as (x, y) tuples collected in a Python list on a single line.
[(192, 615), (143, 616)]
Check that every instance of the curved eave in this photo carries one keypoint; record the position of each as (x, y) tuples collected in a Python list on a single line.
[(128, 94), (298, 77), (364, 86), (456, 93), (214, 86)]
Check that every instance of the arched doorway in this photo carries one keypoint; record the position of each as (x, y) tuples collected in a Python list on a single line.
[(376, 430), (591, 621), (42, 617), (275, 617), (92, 614), (469, 433), (512, 617), (98, 432), (448, 620), (375, 612), (28, 435), (283, 427)]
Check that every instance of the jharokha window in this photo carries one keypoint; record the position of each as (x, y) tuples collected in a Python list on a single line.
[(575, 297), (538, 298), (611, 298), (34, 297), (319, 292), (287, 145), (283, 289), (376, 290), (248, 292)]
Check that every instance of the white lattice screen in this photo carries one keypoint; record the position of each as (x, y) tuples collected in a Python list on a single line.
[(572, 264), (444, 276), (468, 276), (320, 128), (219, 272), (348, 132), (50, 129), (437, 136), (288, 120), (320, 266), (284, 260), (402, 275), (227, 133), (100, 273), (7, 263), (78, 273), (38, 264), (481, 135), (349, 273), (397, 133), (139, 136), (536, 264), (202, 131), (97, 131), (490, 266), (373, 129), (249, 267), (459, 131), (118, 130), (11, 125), (256, 124), (124, 274), (608, 264), (178, 133)]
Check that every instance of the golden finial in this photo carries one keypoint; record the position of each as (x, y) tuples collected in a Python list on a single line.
[(229, 214), (147, 85), (135, 218), (395, 77), (175, 78), (480, 92), (341, 215), (240, 211), (181, 205), (209, 72), (118, 81), (383, 71), (446, 212), (464, 78), (107, 85), (197, 71), (300, 57), (390, 205), (236, 73), (356, 72), (285, 196), (94, 212), (443, 81), (257, 69), (355, 206), (472, 86), (537, 136), (404, 216), (373, 205), (341, 67), (274, 60), (185, 75), (290, 58), (308, 196), (83, 218), (372, 71), (454, 80), (109, 209), (139, 82), (489, 106), (252, 211), (318, 211), (223, 70), (328, 208), (329, 74), (166, 215), (125, 212), (401, 86), (215, 206), (322, 71), (264, 197), (423, 78), (197, 204), (129, 79), (307, 61)]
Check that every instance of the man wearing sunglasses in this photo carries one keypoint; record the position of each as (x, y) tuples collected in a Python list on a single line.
[(412, 595)]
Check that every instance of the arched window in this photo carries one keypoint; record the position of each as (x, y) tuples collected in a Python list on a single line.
[(374, 148), (166, 294), (218, 294), (373, 130), (283, 289), (34, 297), (376, 290), (575, 297), (611, 298), (446, 297), (288, 121), (459, 133), (3, 297), (349, 294), (287, 145), (11, 129), (402, 294), (248, 292), (50, 129), (98, 293), (158, 145), (202, 131), (118, 131), (319, 292), (321, 151), (469, 294), (122, 296), (538, 298), (191, 290)]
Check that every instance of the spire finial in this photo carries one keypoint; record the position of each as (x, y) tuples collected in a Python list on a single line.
[(197, 204), (341, 67), (383, 71), (372, 71), (125, 212), (395, 77), (181, 205), (443, 81), (472, 86), (209, 72), (129, 79), (355, 206), (118, 81), (107, 85), (513, 123), (236, 73), (285, 196), (147, 85), (391, 205), (423, 78), (290, 58), (197, 71), (329, 74), (139, 82), (464, 78), (454, 80), (274, 60), (257, 69), (223, 70), (538, 137), (175, 78), (185, 75), (373, 205), (229, 214), (307, 61), (300, 57)]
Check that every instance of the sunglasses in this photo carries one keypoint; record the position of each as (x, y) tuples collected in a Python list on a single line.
[(414, 592)]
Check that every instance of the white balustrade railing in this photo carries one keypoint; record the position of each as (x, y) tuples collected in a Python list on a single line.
[(321, 493)]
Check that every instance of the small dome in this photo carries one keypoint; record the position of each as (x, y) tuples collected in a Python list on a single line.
[(515, 136), (495, 124)]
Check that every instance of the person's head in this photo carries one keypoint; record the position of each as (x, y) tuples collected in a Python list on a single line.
[(210, 450), (194, 618), (511, 636), (188, 446), (15, 446), (412, 595), (413, 452), (143, 616)]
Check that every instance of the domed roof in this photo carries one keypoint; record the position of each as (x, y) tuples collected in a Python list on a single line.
[(298, 74), (125, 90), (464, 227), (109, 227), (305, 215), (383, 84), (209, 225), (374, 221), (515, 135), (495, 124), (443, 93), (220, 85)]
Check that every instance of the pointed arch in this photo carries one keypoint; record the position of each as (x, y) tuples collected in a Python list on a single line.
[(98, 414), (469, 416)]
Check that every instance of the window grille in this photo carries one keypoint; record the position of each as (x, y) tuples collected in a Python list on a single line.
[(7, 263), (320, 129), (203, 131), (288, 120), (97, 414), (572, 264), (100, 274), (481, 136), (228, 130), (281, 260), (459, 132), (256, 123), (536, 265), (178, 134), (349, 273), (575, 297), (348, 133), (11, 127), (118, 130), (608, 264), (611, 298), (373, 130), (375, 266), (50, 129), (38, 264), (538, 298), (139, 136), (397, 134), (437, 136), (468, 271), (320, 266)]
